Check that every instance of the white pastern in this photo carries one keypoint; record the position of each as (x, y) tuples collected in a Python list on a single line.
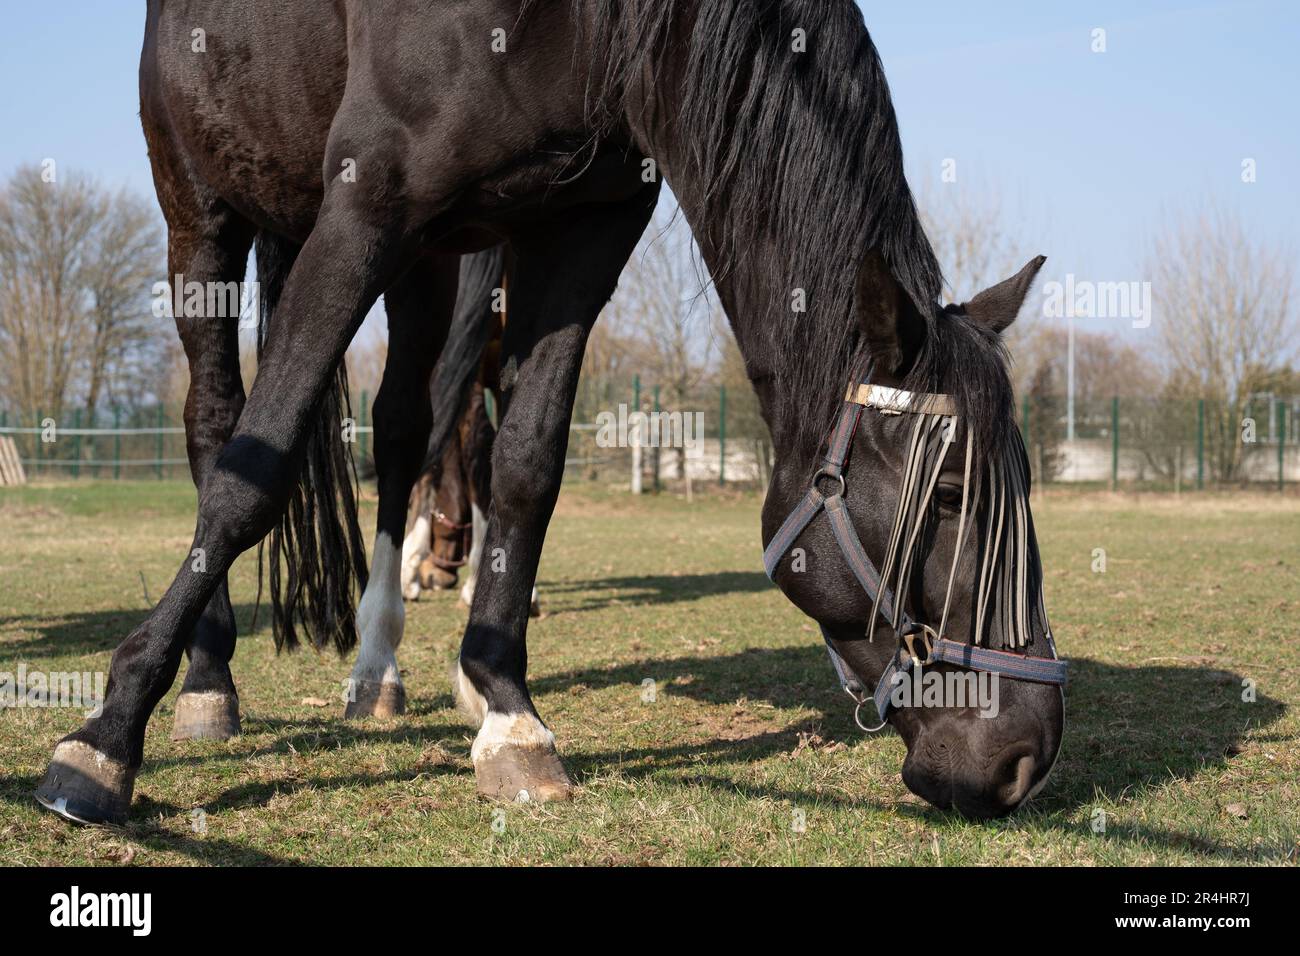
[(497, 730), (381, 616), (415, 548), (510, 730)]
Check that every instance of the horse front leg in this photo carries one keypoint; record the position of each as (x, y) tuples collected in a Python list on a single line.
[(564, 276), (357, 248), (419, 310)]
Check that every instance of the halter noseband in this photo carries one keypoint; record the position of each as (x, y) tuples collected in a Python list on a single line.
[(936, 647)]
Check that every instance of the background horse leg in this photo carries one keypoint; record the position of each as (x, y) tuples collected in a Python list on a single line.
[(208, 243), (478, 534), (419, 310), (358, 247), (564, 276), (419, 535), (451, 518)]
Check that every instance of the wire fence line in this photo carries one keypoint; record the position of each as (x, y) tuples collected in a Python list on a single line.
[(625, 432)]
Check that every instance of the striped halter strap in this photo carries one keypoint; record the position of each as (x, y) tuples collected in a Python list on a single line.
[(1003, 588)]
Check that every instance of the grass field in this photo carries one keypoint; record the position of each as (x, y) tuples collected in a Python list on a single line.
[(747, 733)]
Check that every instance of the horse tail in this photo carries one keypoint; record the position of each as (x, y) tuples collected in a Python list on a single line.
[(317, 554), (481, 275)]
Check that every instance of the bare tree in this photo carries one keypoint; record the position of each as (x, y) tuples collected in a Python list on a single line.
[(77, 267), (663, 318), (1224, 301), (44, 230), (964, 222)]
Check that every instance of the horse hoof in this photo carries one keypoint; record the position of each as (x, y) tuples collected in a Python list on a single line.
[(522, 775), (535, 609), (411, 592), (206, 715), (86, 786), (376, 699)]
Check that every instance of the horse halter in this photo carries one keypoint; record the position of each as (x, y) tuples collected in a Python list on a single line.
[(936, 418)]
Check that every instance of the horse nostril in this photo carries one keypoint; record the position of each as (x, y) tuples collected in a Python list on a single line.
[(1017, 779)]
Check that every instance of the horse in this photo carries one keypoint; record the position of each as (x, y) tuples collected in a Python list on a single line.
[(446, 519), (440, 518), (771, 121)]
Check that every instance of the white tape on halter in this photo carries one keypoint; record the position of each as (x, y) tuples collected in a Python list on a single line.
[(897, 401)]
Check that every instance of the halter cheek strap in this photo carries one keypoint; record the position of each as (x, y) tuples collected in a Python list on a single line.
[(936, 647)]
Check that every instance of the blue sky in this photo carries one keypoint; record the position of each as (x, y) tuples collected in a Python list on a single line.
[(1087, 150)]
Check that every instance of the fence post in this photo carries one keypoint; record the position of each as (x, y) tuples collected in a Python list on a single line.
[(1200, 444), (1024, 421), (1281, 444), (76, 443), (722, 434), (1114, 443), (117, 442), (658, 444), (158, 444), (636, 434)]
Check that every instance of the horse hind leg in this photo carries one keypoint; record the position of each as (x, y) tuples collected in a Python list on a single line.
[(419, 310), (210, 247)]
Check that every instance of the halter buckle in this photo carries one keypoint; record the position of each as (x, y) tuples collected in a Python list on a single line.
[(927, 636)]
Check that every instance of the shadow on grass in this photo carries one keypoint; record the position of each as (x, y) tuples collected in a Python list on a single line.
[(649, 589), (1127, 729), (95, 632)]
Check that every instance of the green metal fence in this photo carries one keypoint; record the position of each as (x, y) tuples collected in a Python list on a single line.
[(704, 432)]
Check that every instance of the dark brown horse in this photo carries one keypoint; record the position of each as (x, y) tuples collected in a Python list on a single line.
[(371, 138)]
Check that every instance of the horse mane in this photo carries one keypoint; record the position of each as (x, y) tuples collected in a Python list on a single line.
[(804, 146)]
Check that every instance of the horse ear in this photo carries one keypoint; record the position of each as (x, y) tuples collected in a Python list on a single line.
[(998, 306), (889, 320)]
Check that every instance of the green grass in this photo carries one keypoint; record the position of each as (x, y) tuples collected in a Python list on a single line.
[(747, 730)]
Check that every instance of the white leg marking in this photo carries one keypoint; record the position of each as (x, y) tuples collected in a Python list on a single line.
[(475, 555), (381, 616), (414, 550), (496, 730), (510, 730), (471, 703)]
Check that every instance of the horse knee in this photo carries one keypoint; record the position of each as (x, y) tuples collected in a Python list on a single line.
[(236, 512), (520, 479)]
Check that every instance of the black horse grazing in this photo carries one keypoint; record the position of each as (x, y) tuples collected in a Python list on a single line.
[(449, 127)]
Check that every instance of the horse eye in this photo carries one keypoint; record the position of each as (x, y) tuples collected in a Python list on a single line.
[(948, 496)]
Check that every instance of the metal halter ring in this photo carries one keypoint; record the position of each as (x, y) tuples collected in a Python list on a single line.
[(823, 473), (857, 713)]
